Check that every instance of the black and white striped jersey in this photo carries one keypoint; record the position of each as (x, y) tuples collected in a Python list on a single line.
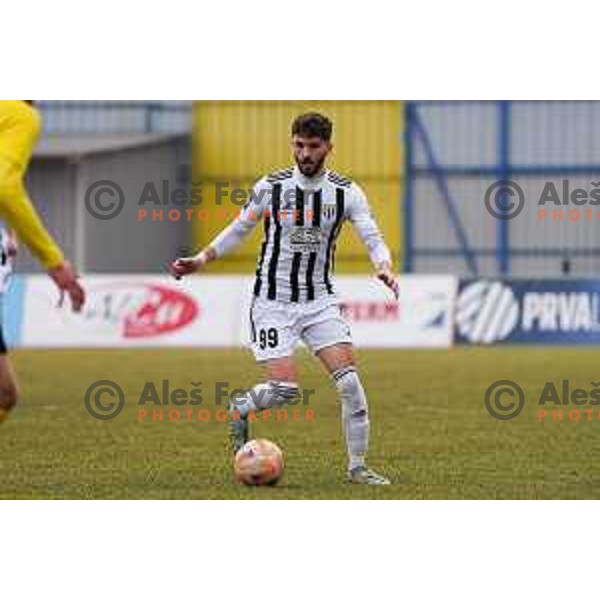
[(302, 218)]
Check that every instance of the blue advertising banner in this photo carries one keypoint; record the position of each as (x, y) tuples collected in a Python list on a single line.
[(528, 311)]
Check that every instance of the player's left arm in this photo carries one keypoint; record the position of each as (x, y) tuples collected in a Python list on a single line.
[(361, 217)]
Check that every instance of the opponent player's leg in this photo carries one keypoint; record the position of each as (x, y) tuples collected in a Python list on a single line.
[(9, 393), (329, 338), (8, 382), (273, 341)]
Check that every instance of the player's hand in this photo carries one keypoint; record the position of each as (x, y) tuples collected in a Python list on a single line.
[(388, 278), (65, 277), (188, 265)]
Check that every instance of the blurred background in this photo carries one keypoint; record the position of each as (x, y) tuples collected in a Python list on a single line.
[(128, 143), (485, 295), (425, 166)]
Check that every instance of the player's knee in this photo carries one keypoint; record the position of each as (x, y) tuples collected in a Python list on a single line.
[(9, 395), (282, 370)]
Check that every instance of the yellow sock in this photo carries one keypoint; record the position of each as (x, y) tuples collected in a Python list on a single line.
[(3, 414)]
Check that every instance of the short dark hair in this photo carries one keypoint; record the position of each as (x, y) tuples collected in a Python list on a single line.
[(313, 125)]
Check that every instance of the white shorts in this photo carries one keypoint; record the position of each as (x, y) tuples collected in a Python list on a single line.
[(277, 327)]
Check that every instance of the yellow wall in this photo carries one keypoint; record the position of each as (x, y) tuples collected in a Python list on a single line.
[(239, 141)]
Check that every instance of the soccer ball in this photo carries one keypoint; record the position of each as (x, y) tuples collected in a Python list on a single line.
[(259, 462)]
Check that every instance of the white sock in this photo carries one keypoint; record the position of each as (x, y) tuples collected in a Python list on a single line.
[(266, 395), (355, 415)]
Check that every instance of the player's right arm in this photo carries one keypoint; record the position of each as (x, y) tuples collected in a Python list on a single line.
[(20, 215), (16, 209), (19, 129), (232, 236)]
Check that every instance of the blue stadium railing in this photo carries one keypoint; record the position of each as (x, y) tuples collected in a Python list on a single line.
[(115, 116), (417, 136)]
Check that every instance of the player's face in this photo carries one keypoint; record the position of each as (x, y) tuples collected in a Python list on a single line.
[(310, 154)]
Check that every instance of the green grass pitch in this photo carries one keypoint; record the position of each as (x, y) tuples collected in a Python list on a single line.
[(430, 431)]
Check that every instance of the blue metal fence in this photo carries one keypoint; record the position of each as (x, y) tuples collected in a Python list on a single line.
[(164, 116), (456, 150)]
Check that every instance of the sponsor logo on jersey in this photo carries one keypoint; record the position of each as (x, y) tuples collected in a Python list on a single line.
[(305, 238)]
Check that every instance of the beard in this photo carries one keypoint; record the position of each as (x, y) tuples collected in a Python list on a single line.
[(310, 169)]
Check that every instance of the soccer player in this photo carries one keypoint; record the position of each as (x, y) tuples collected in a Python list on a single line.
[(303, 209), (19, 129)]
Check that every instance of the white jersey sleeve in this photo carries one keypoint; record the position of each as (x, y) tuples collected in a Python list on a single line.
[(250, 215), (361, 217)]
